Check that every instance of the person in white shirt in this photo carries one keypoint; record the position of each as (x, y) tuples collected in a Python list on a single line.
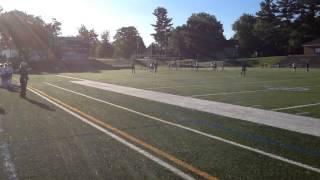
[(8, 71)]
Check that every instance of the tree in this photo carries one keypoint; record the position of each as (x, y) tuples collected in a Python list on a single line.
[(91, 37), (306, 27), (177, 43), (54, 30), (267, 11), (285, 10), (105, 48), (245, 34), (268, 30), (204, 36), (93, 42), (127, 41), (27, 33), (162, 27), (283, 26), (83, 32)]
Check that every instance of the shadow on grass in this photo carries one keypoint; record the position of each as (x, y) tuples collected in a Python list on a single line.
[(2, 111), (14, 88), (93, 66), (39, 104)]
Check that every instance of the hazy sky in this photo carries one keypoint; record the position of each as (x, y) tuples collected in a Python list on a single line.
[(113, 14)]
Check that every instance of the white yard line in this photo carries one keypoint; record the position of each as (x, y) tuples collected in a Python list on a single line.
[(7, 161), (5, 156), (172, 87), (121, 140), (1, 129), (301, 124), (270, 155), (303, 113), (227, 93), (296, 107)]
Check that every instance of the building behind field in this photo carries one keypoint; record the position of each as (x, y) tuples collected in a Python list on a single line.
[(73, 49), (9, 53), (312, 47)]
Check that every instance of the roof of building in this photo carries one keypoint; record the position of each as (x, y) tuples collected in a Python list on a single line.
[(315, 42)]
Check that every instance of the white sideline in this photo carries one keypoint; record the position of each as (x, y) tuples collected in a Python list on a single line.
[(296, 107), (226, 93), (270, 155), (295, 123), (121, 140), (8, 165)]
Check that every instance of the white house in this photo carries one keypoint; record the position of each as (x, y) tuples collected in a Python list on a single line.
[(9, 53)]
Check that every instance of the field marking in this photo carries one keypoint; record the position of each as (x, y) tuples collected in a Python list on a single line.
[(227, 93), (289, 122), (8, 164), (296, 107), (270, 155), (303, 113), (6, 157), (183, 86), (102, 126), (69, 77), (172, 87), (1, 129)]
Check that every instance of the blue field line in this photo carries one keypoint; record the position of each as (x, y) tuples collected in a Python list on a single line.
[(257, 138)]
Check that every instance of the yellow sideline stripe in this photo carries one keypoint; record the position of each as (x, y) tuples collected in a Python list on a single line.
[(129, 137)]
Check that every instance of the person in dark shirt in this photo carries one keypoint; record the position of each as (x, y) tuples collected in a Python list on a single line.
[(243, 69), (24, 77)]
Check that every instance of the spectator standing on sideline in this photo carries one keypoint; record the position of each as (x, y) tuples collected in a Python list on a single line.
[(2, 74), (8, 75), (24, 77)]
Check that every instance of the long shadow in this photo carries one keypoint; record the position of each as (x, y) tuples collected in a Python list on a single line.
[(93, 66), (39, 104), (2, 111), (14, 88)]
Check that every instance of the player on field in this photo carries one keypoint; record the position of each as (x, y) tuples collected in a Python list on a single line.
[(133, 68), (294, 67), (243, 69)]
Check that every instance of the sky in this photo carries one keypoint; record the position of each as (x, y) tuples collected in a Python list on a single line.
[(113, 14)]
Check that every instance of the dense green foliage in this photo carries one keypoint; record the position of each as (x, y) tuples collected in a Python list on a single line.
[(91, 36), (202, 36), (127, 42), (162, 27), (28, 34), (279, 28)]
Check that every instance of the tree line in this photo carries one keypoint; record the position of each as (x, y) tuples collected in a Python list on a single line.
[(30, 35), (200, 36), (280, 27)]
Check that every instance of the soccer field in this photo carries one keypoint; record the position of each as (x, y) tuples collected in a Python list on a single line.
[(67, 130)]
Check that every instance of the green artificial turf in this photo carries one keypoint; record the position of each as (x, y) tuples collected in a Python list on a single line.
[(46, 142)]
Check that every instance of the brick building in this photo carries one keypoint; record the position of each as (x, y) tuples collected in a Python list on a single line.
[(312, 47)]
